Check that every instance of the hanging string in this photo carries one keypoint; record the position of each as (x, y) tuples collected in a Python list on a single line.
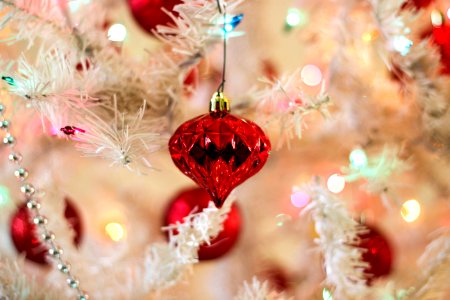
[(223, 11)]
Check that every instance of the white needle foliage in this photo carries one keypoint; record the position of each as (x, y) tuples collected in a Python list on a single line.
[(338, 233), (165, 264), (257, 290)]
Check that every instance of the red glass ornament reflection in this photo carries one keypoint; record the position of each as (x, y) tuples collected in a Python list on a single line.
[(149, 14), (191, 81), (417, 4), (378, 253), (219, 151), (24, 233), (195, 200)]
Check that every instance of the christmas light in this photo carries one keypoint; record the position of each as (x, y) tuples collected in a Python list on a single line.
[(326, 294), (299, 199), (115, 231), (282, 219), (117, 32), (358, 158), (410, 210), (4, 196), (311, 75), (336, 183), (402, 44), (436, 18), (75, 5), (229, 23), (295, 17)]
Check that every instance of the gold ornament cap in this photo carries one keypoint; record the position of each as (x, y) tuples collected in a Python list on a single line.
[(219, 103)]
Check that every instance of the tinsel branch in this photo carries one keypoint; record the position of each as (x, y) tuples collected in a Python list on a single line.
[(379, 170), (256, 290), (338, 233), (127, 141), (165, 264), (284, 105), (435, 265), (16, 286)]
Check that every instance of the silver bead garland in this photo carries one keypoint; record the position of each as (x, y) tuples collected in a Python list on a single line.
[(34, 207)]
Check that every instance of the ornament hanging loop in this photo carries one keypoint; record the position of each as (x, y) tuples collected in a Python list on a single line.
[(223, 12), (219, 103)]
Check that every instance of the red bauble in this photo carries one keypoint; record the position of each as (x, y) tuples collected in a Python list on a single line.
[(24, 234), (191, 80), (195, 200), (378, 253), (418, 4), (277, 278), (219, 151), (149, 14)]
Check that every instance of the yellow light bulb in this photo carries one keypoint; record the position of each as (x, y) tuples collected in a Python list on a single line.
[(115, 231), (410, 210)]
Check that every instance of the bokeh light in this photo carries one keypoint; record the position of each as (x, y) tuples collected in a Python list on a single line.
[(282, 219), (336, 183), (402, 44), (326, 294), (311, 75), (117, 32), (358, 158), (436, 18), (410, 210), (115, 231), (5, 198), (300, 199)]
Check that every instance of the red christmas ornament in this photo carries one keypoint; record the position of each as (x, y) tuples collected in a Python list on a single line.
[(191, 81), (277, 278), (378, 253), (218, 150), (24, 235), (195, 200), (417, 4), (149, 14)]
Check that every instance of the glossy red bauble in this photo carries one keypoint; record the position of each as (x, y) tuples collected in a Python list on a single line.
[(377, 253), (149, 14), (191, 80), (25, 237), (195, 200), (418, 4), (219, 151)]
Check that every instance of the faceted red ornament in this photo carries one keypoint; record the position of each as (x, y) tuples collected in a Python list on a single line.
[(24, 234), (149, 14), (378, 253), (219, 151), (195, 200)]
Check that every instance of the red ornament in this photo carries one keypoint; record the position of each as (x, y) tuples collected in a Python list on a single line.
[(191, 81), (149, 14), (378, 253), (218, 150), (277, 278), (440, 36), (24, 235), (195, 200), (417, 4)]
